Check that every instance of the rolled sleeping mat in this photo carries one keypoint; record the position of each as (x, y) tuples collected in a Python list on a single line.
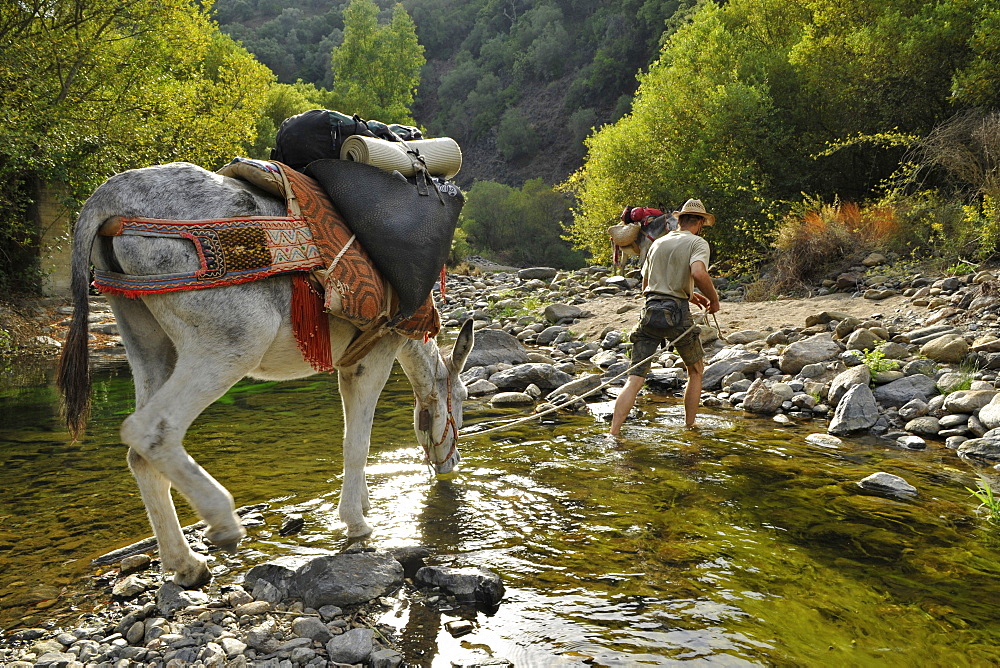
[(442, 155)]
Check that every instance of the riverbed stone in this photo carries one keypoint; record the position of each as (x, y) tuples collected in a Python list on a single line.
[(745, 336), (862, 339), (494, 346), (898, 392), (816, 348), (465, 584), (967, 401), (845, 380), (913, 408), (511, 399), (989, 415), (983, 449), (352, 647), (924, 426), (732, 360), (950, 348), (887, 482), (761, 399), (558, 313), (856, 411), (545, 376)]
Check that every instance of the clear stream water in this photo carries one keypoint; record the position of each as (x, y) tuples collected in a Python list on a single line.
[(739, 544)]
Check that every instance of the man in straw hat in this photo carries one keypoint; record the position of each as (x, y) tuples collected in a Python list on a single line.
[(676, 263)]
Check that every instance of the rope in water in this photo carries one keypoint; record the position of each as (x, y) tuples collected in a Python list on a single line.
[(600, 387)]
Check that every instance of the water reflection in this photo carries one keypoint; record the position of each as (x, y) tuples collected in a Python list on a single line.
[(739, 543)]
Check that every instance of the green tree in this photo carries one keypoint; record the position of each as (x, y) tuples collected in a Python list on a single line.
[(97, 86), (376, 70), (519, 225)]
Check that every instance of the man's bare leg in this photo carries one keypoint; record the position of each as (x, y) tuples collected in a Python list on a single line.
[(692, 392), (625, 401)]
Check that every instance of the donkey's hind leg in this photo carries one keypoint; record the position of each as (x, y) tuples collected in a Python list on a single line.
[(211, 358), (152, 357)]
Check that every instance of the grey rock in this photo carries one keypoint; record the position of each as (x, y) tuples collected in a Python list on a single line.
[(913, 408), (888, 483), (989, 415), (495, 346), (311, 628), (549, 334), (967, 401), (856, 411), (577, 386), (480, 388), (556, 313), (761, 399), (745, 336), (816, 348), (862, 339), (336, 579), (537, 273), (545, 376), (924, 426), (172, 597), (512, 399), (911, 442), (898, 392), (465, 584), (845, 380), (982, 449), (950, 348), (732, 360), (354, 646)]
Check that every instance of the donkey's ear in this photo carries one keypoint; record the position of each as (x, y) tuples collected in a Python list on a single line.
[(463, 346)]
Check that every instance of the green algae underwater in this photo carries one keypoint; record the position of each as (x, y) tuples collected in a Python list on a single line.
[(739, 543)]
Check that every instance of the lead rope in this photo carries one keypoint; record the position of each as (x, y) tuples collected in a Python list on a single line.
[(603, 385)]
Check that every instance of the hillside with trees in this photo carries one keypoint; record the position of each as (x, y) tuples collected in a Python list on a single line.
[(814, 129)]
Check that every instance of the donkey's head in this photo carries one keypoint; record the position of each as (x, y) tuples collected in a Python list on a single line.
[(437, 410), (652, 229)]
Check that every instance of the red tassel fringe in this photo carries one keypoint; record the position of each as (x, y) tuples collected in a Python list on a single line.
[(311, 324)]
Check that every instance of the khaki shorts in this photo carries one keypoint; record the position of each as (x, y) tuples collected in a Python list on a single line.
[(647, 337)]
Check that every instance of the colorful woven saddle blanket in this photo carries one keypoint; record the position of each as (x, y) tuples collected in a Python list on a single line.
[(312, 240)]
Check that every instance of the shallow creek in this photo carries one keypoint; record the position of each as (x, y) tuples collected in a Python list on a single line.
[(738, 544)]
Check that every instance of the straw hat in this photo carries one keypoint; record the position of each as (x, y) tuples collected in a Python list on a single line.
[(696, 208)]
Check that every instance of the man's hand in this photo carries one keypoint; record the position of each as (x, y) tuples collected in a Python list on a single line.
[(700, 300)]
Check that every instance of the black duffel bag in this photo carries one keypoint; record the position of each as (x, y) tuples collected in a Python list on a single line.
[(318, 134)]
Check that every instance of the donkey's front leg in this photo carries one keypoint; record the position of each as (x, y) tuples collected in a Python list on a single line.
[(360, 386)]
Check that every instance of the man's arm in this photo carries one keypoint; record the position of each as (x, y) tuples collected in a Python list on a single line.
[(704, 283)]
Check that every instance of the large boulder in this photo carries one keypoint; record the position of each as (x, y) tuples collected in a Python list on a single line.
[(968, 401), (898, 392), (982, 449), (761, 399), (335, 579), (731, 360), (856, 411), (816, 348), (989, 415), (495, 346), (537, 273), (845, 380), (563, 312), (950, 348), (545, 376)]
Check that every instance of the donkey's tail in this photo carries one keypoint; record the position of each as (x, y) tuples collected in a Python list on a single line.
[(73, 378)]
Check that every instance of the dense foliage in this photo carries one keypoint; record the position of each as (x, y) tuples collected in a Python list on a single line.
[(519, 226), (92, 87), (755, 102)]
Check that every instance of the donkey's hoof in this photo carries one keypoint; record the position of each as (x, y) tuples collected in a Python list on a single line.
[(194, 575), (226, 540)]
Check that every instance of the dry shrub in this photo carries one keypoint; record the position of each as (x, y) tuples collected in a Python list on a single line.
[(820, 238)]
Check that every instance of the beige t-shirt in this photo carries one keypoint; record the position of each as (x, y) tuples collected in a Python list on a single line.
[(668, 263)]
